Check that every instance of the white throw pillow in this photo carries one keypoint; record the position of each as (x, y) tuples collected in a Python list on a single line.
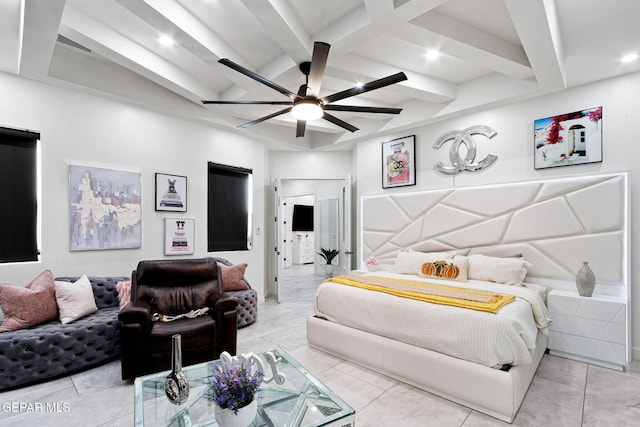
[(411, 262), (508, 271), (75, 300)]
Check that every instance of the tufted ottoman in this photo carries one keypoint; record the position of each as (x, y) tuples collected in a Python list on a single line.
[(247, 300), (54, 349)]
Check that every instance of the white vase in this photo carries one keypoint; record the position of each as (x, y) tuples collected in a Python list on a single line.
[(244, 417), (372, 267)]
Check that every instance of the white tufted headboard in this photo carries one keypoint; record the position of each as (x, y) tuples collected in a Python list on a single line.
[(555, 224)]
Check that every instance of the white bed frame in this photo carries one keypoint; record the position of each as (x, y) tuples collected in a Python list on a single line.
[(554, 224)]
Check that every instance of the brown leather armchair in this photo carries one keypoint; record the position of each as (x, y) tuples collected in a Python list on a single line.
[(171, 288)]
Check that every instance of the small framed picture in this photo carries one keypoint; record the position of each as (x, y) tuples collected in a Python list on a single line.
[(171, 192), (399, 162), (568, 139), (179, 236)]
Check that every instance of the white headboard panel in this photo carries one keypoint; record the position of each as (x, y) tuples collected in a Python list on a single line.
[(555, 224)]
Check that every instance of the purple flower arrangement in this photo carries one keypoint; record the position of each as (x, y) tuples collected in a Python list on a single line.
[(233, 387)]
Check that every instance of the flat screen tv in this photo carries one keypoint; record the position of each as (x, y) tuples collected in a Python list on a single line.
[(302, 218)]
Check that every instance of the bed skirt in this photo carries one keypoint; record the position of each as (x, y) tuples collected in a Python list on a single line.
[(490, 391)]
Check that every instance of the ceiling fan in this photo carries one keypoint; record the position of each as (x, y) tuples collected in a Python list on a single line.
[(306, 104)]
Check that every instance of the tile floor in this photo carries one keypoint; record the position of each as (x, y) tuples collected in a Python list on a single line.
[(564, 393)]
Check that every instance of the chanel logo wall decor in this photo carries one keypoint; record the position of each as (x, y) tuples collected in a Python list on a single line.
[(465, 137)]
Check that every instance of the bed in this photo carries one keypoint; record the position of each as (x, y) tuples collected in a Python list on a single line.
[(377, 331)]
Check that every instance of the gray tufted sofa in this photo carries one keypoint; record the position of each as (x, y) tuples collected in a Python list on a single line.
[(52, 349), (247, 300)]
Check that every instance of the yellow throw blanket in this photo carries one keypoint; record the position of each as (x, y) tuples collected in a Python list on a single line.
[(437, 294)]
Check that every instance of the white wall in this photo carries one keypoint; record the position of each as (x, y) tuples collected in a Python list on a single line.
[(513, 145), (77, 128)]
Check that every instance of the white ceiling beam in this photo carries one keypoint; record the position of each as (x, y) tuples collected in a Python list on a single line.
[(283, 25), (93, 34), (187, 30), (469, 44), (417, 85), (10, 35), (537, 25), (41, 19)]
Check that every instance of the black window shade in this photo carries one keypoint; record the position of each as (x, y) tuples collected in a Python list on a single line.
[(228, 208), (18, 195)]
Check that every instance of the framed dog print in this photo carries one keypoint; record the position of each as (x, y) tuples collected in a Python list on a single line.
[(171, 192)]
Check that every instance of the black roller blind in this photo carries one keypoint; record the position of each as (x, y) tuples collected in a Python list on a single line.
[(228, 208), (18, 195)]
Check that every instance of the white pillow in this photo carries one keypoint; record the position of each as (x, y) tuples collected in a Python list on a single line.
[(449, 269), (75, 300), (410, 262), (508, 271)]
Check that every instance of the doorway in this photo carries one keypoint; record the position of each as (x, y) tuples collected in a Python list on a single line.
[(293, 249)]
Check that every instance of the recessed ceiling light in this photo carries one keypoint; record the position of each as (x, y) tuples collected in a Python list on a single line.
[(166, 40), (630, 57), (432, 54)]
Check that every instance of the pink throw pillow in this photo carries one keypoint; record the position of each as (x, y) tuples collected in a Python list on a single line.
[(232, 277), (29, 306), (124, 293)]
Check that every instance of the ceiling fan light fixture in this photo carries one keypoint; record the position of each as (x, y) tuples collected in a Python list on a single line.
[(306, 110)]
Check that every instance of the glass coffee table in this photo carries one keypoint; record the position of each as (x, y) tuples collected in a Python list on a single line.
[(302, 400)]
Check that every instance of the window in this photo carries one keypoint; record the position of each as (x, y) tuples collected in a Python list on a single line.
[(229, 208), (19, 195)]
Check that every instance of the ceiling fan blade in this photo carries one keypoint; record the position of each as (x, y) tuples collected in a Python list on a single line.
[(357, 109), (300, 127), (262, 119), (257, 77), (248, 102), (376, 84), (318, 65), (341, 123)]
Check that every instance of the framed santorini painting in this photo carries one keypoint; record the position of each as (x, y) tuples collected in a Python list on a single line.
[(568, 139), (104, 208), (171, 192), (179, 236), (399, 162)]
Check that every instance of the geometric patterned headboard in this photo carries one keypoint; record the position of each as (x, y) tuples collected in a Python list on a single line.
[(555, 224)]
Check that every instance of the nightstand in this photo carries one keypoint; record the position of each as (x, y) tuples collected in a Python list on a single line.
[(588, 329)]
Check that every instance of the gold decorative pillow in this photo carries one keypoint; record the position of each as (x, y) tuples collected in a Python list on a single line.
[(448, 269)]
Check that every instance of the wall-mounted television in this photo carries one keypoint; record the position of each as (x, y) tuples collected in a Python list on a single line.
[(302, 218)]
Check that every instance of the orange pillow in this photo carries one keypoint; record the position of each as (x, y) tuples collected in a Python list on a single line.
[(232, 277), (29, 306)]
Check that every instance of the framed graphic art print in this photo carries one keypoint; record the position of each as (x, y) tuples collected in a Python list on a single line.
[(179, 236), (568, 139), (399, 162)]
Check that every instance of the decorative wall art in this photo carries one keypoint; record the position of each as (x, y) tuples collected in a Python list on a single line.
[(568, 139), (179, 236), (465, 138), (105, 209), (171, 192), (399, 162)]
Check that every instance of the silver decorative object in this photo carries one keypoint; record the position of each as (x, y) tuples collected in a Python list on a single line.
[(176, 385), (464, 137), (585, 280)]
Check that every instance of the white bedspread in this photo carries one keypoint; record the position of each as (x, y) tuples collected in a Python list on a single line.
[(490, 339)]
